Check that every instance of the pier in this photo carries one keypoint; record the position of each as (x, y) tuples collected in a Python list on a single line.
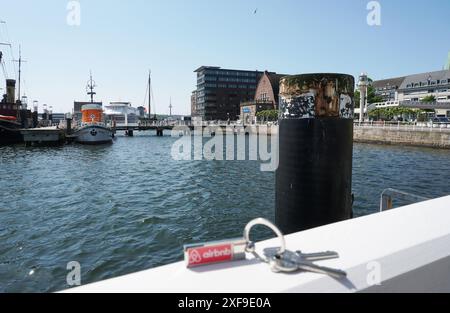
[(162, 126), (54, 136), (395, 133), (43, 136)]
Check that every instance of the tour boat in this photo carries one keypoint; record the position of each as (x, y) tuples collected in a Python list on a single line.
[(93, 130)]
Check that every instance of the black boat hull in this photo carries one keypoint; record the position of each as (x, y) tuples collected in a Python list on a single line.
[(10, 134)]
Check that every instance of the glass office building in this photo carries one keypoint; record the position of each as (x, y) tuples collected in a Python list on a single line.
[(221, 91)]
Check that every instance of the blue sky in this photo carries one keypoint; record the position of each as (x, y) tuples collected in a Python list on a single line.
[(121, 40)]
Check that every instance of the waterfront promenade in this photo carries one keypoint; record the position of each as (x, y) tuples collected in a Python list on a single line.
[(417, 134), (391, 133)]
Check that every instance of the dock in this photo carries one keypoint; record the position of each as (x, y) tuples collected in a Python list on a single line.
[(43, 136)]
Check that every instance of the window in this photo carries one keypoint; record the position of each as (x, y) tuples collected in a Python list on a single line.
[(210, 78)]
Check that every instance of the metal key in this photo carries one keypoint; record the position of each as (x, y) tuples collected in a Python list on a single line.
[(291, 262), (321, 256), (299, 256)]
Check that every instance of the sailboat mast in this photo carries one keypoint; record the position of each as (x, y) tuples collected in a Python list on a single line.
[(20, 70), (150, 94)]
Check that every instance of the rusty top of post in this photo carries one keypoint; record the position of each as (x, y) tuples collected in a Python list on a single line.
[(317, 95)]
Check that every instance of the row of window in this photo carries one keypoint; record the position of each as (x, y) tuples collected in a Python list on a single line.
[(264, 97), (230, 86), (226, 79), (213, 92), (230, 73), (387, 88), (429, 83), (420, 99), (426, 91)]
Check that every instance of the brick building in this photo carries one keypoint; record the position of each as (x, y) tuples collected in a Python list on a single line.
[(266, 97)]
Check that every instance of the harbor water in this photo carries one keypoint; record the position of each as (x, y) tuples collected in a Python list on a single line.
[(126, 207)]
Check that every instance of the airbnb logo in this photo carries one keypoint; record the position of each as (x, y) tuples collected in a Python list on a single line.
[(208, 255), (195, 257)]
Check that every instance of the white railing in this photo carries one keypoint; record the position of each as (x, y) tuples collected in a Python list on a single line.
[(419, 126), (199, 124)]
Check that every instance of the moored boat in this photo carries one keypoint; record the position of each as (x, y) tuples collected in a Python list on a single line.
[(93, 129), (9, 131), (13, 116)]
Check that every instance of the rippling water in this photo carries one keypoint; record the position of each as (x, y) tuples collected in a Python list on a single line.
[(128, 207)]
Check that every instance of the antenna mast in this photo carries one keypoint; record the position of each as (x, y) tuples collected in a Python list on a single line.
[(90, 87), (20, 61)]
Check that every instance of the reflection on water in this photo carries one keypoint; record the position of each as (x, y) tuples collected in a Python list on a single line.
[(127, 207)]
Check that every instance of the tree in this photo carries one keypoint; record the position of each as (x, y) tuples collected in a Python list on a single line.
[(268, 115), (388, 114), (429, 99)]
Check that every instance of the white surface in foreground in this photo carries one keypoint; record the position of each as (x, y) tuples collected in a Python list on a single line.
[(411, 245)]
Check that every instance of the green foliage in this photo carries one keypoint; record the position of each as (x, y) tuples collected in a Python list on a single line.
[(388, 114), (429, 99), (268, 115)]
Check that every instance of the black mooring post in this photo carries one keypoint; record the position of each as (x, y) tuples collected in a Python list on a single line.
[(69, 125), (314, 178)]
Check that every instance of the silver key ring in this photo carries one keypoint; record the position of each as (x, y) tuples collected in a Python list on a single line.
[(251, 246)]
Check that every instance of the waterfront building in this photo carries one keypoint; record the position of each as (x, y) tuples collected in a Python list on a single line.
[(141, 111), (194, 103), (388, 88), (56, 118), (411, 91), (221, 91), (266, 97)]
